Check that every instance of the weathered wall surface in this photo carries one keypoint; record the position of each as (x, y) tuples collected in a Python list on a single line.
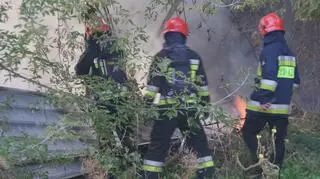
[(225, 55)]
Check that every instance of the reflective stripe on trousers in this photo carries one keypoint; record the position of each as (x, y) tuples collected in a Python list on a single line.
[(152, 166), (172, 101), (152, 91), (205, 162), (274, 108)]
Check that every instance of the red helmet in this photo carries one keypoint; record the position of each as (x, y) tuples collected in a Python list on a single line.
[(177, 25), (101, 26), (270, 22)]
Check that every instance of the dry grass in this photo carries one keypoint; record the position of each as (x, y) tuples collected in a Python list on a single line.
[(5, 173), (3, 164), (92, 167), (189, 161)]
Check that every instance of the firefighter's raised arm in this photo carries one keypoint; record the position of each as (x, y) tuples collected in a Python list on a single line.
[(202, 83), (155, 78), (86, 59)]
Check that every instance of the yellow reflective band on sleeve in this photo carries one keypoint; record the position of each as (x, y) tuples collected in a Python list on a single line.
[(152, 168), (287, 61), (151, 94), (190, 100), (167, 101), (259, 71), (162, 102), (152, 91), (171, 75), (274, 108), (268, 85), (194, 65), (203, 91), (205, 164), (193, 75)]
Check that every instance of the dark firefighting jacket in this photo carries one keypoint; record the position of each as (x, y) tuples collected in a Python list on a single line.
[(177, 74), (102, 63), (97, 62), (277, 76)]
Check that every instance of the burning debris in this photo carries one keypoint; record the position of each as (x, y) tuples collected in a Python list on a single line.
[(240, 104)]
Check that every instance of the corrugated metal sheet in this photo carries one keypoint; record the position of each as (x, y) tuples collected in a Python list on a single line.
[(21, 120)]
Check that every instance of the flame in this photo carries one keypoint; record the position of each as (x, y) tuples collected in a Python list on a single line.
[(240, 103)]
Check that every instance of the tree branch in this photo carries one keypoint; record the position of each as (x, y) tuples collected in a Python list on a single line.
[(233, 92), (25, 78), (169, 14)]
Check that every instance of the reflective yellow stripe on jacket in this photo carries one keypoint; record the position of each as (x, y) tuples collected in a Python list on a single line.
[(194, 68), (152, 91), (205, 162), (152, 166), (268, 85), (259, 71), (274, 108)]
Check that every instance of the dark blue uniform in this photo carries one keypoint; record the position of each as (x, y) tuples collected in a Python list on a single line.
[(277, 76), (97, 62), (173, 73), (104, 63)]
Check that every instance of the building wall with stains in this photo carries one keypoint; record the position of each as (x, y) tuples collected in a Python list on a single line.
[(226, 52)]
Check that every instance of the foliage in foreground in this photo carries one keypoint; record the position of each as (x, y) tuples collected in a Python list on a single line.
[(30, 43)]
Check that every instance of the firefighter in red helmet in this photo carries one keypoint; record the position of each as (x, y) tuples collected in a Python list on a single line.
[(277, 76), (181, 60), (103, 63), (93, 23)]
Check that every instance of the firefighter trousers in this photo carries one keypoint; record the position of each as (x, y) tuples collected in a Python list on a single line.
[(255, 122), (160, 143)]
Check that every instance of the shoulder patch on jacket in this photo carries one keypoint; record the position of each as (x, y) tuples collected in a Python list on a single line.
[(287, 66)]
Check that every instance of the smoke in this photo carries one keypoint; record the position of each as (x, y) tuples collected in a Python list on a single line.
[(225, 51)]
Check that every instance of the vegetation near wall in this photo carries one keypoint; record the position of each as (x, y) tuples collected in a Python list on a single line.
[(29, 43)]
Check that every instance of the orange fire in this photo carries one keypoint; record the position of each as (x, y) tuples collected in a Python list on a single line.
[(240, 103)]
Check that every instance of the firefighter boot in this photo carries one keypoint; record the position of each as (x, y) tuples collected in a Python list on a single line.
[(152, 175), (206, 173)]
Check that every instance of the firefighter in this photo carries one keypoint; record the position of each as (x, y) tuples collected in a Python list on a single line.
[(99, 60), (164, 80), (277, 76), (102, 63)]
